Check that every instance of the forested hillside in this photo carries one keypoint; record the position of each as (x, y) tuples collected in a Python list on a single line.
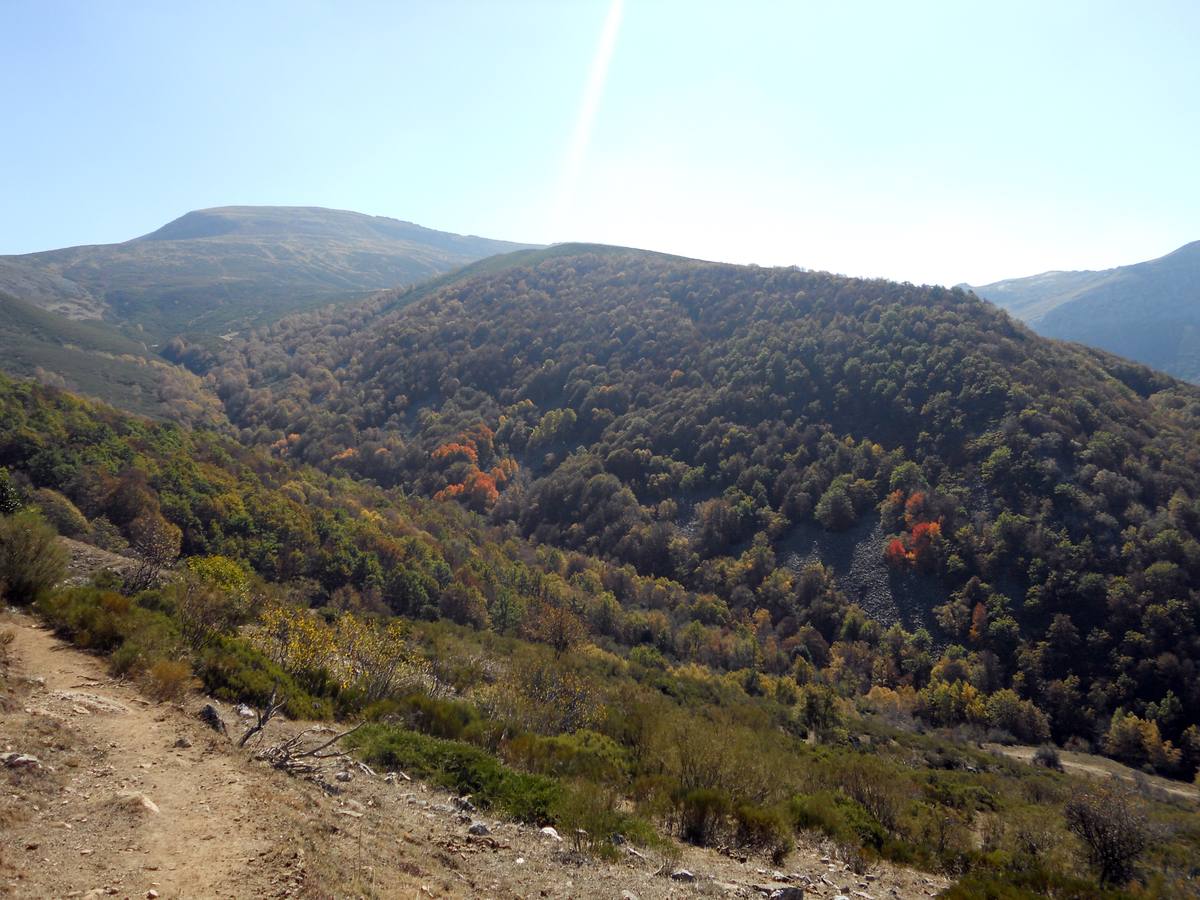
[(556, 687), (1033, 504)]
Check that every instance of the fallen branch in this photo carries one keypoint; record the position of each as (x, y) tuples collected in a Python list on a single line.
[(293, 757)]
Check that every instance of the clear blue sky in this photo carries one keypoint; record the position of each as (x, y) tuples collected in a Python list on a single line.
[(925, 141)]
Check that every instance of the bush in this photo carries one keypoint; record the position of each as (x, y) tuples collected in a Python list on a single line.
[(168, 679), (1113, 830), (701, 812), (31, 560), (837, 816), (232, 670), (763, 828), (1047, 756), (460, 767), (583, 807), (135, 638), (62, 513), (586, 754)]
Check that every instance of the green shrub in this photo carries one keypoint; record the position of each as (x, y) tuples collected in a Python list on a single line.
[(31, 559), (459, 767), (135, 638), (62, 513), (584, 807), (429, 715), (837, 816), (763, 828), (232, 670), (701, 813), (1029, 885), (585, 754)]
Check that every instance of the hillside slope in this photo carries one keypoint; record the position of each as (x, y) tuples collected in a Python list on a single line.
[(218, 270), (95, 359), (223, 824), (1149, 312), (727, 426)]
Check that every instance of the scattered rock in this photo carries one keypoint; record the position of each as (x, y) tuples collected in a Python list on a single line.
[(211, 717), (479, 829), (151, 894), (20, 761), (629, 895), (136, 802), (787, 893), (551, 833), (683, 875), (246, 712), (463, 803), (183, 743), (344, 776)]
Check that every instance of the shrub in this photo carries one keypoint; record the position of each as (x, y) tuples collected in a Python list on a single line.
[(460, 767), (593, 816), (168, 679), (586, 754), (61, 513), (1047, 756), (837, 816), (701, 813), (232, 670), (763, 828), (31, 560), (1113, 831)]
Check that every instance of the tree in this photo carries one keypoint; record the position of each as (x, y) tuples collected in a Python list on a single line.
[(1113, 830), (31, 559), (835, 510), (10, 497), (556, 625), (156, 541)]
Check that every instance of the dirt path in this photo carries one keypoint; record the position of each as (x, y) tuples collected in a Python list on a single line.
[(107, 751), (219, 824)]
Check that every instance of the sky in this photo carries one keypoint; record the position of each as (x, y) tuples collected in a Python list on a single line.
[(935, 142)]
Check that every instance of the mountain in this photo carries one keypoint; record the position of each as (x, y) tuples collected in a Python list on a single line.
[(760, 436), (469, 687), (219, 270), (93, 358), (623, 543), (1149, 312)]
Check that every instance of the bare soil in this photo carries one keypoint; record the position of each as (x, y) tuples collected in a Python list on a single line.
[(136, 799)]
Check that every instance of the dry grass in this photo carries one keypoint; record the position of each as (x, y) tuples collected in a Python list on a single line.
[(169, 680)]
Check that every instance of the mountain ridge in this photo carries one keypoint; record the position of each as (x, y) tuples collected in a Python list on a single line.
[(221, 269), (1147, 311)]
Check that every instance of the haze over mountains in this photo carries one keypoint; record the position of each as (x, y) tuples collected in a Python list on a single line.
[(217, 270), (1149, 312)]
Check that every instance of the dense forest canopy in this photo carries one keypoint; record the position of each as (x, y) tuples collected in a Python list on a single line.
[(687, 419)]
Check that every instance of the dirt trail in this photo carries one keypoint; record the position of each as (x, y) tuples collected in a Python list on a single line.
[(110, 748), (223, 825)]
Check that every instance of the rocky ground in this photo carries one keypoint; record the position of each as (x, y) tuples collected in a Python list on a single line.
[(107, 794)]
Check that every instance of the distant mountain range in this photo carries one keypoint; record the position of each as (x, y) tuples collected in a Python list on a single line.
[(1149, 312), (218, 270)]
